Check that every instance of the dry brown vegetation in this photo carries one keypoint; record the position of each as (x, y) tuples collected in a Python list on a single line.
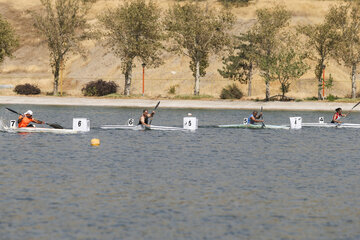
[(30, 63)]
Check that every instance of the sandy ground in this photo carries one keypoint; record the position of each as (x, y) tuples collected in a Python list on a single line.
[(30, 63), (191, 104)]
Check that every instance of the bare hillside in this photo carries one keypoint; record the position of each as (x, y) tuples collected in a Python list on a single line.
[(31, 64)]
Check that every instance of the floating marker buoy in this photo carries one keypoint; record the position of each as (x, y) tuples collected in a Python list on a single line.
[(189, 114), (95, 142)]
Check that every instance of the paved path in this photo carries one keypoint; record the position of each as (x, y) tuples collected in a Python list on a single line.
[(195, 104)]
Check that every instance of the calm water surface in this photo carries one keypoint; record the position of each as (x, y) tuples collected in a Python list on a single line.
[(210, 184)]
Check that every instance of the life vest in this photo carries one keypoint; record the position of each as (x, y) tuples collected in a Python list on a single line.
[(24, 121)]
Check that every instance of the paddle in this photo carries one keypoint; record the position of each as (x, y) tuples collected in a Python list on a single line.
[(54, 125), (263, 124), (154, 110), (352, 108)]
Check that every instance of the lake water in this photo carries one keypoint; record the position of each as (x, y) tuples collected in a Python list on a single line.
[(210, 184)]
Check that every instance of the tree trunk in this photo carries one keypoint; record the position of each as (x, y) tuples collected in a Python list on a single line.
[(319, 77), (128, 77), (320, 96), (267, 92), (353, 79), (56, 77), (249, 79), (197, 79)]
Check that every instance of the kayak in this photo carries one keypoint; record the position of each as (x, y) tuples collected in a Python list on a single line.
[(329, 125), (254, 126), (39, 130), (79, 125), (140, 127)]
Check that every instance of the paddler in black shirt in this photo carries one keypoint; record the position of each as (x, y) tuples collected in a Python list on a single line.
[(144, 119)]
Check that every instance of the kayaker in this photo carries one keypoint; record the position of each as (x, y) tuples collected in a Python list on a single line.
[(337, 115), (144, 119), (25, 120), (254, 118)]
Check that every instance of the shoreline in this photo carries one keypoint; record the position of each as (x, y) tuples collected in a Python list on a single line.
[(169, 103)]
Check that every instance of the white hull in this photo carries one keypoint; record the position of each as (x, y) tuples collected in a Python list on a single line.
[(254, 126), (140, 127), (331, 125), (39, 130)]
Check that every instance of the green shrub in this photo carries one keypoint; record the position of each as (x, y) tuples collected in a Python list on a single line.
[(237, 3), (231, 92), (187, 97), (311, 99), (172, 89), (27, 89), (331, 97), (99, 88)]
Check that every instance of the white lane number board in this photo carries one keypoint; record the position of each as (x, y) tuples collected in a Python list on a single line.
[(13, 124), (295, 122), (81, 124), (190, 123), (321, 120), (130, 122), (246, 121)]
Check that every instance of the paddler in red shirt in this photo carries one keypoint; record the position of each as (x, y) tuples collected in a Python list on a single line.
[(337, 116), (25, 120)]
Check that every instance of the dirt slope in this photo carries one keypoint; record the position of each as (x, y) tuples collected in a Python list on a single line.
[(30, 63)]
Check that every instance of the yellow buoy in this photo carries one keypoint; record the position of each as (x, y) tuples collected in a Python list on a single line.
[(95, 142)]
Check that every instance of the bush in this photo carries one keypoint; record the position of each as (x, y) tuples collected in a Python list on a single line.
[(237, 3), (172, 89), (231, 92), (311, 99), (99, 88), (332, 98), (27, 89)]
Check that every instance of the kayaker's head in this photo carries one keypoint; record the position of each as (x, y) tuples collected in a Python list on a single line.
[(338, 110), (28, 113), (145, 112), (255, 113)]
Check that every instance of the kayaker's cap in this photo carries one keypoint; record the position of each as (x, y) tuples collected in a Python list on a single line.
[(28, 112)]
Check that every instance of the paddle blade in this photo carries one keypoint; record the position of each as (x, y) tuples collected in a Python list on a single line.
[(55, 125), (157, 105), (355, 105), (13, 111)]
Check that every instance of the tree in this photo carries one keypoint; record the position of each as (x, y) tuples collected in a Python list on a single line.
[(321, 38), (266, 35), (63, 25), (198, 32), (288, 65), (239, 65), (346, 18), (134, 30), (8, 40)]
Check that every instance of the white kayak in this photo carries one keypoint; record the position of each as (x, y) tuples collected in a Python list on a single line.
[(254, 126), (39, 130), (141, 127), (331, 125)]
